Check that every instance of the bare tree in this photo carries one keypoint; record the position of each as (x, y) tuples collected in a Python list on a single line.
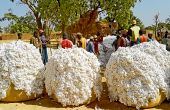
[(156, 21)]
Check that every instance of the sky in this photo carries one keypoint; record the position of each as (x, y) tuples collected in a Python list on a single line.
[(144, 10), (17, 9), (147, 9)]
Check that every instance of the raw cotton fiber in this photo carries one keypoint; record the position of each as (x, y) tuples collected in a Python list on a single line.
[(20, 65), (72, 76), (136, 75)]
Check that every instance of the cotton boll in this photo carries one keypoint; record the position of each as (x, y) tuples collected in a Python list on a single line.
[(20, 65), (72, 77), (136, 76)]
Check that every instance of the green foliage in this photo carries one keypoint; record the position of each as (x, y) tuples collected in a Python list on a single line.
[(168, 23), (61, 13), (69, 12), (120, 10), (161, 25), (128, 23), (9, 16), (150, 27), (24, 24)]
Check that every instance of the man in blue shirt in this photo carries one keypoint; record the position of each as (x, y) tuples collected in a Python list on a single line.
[(90, 45), (44, 53)]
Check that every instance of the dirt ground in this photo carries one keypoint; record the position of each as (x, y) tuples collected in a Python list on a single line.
[(49, 104)]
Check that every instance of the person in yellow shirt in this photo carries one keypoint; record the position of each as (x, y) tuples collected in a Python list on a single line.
[(134, 33), (83, 40)]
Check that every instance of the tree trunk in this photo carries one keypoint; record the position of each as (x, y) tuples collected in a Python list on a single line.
[(38, 21), (45, 24), (63, 27), (45, 28)]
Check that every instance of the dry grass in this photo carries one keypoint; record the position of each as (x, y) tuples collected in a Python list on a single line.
[(5, 41), (25, 36), (8, 41)]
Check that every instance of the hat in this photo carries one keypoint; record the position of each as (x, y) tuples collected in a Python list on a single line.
[(134, 22), (41, 30), (91, 37), (95, 36), (79, 34)]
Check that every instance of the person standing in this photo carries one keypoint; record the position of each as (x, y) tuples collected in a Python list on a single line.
[(100, 37), (79, 42), (96, 43), (142, 37), (168, 44), (90, 45), (134, 33), (115, 42), (123, 41), (35, 40), (44, 41), (19, 36), (82, 39), (66, 43), (165, 39), (158, 37), (150, 37)]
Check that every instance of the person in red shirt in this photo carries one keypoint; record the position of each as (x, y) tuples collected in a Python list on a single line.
[(122, 40), (66, 43), (96, 49), (100, 37)]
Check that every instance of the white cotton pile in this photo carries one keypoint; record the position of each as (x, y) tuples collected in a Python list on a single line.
[(72, 76), (158, 51), (108, 40), (138, 74), (20, 63), (51, 52), (106, 49)]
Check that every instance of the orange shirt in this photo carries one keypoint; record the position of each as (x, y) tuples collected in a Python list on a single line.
[(143, 38)]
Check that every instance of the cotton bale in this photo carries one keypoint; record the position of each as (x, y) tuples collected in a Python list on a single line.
[(72, 77), (20, 76), (137, 77)]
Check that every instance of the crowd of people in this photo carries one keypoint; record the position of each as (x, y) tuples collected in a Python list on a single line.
[(134, 35), (125, 38), (91, 44)]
